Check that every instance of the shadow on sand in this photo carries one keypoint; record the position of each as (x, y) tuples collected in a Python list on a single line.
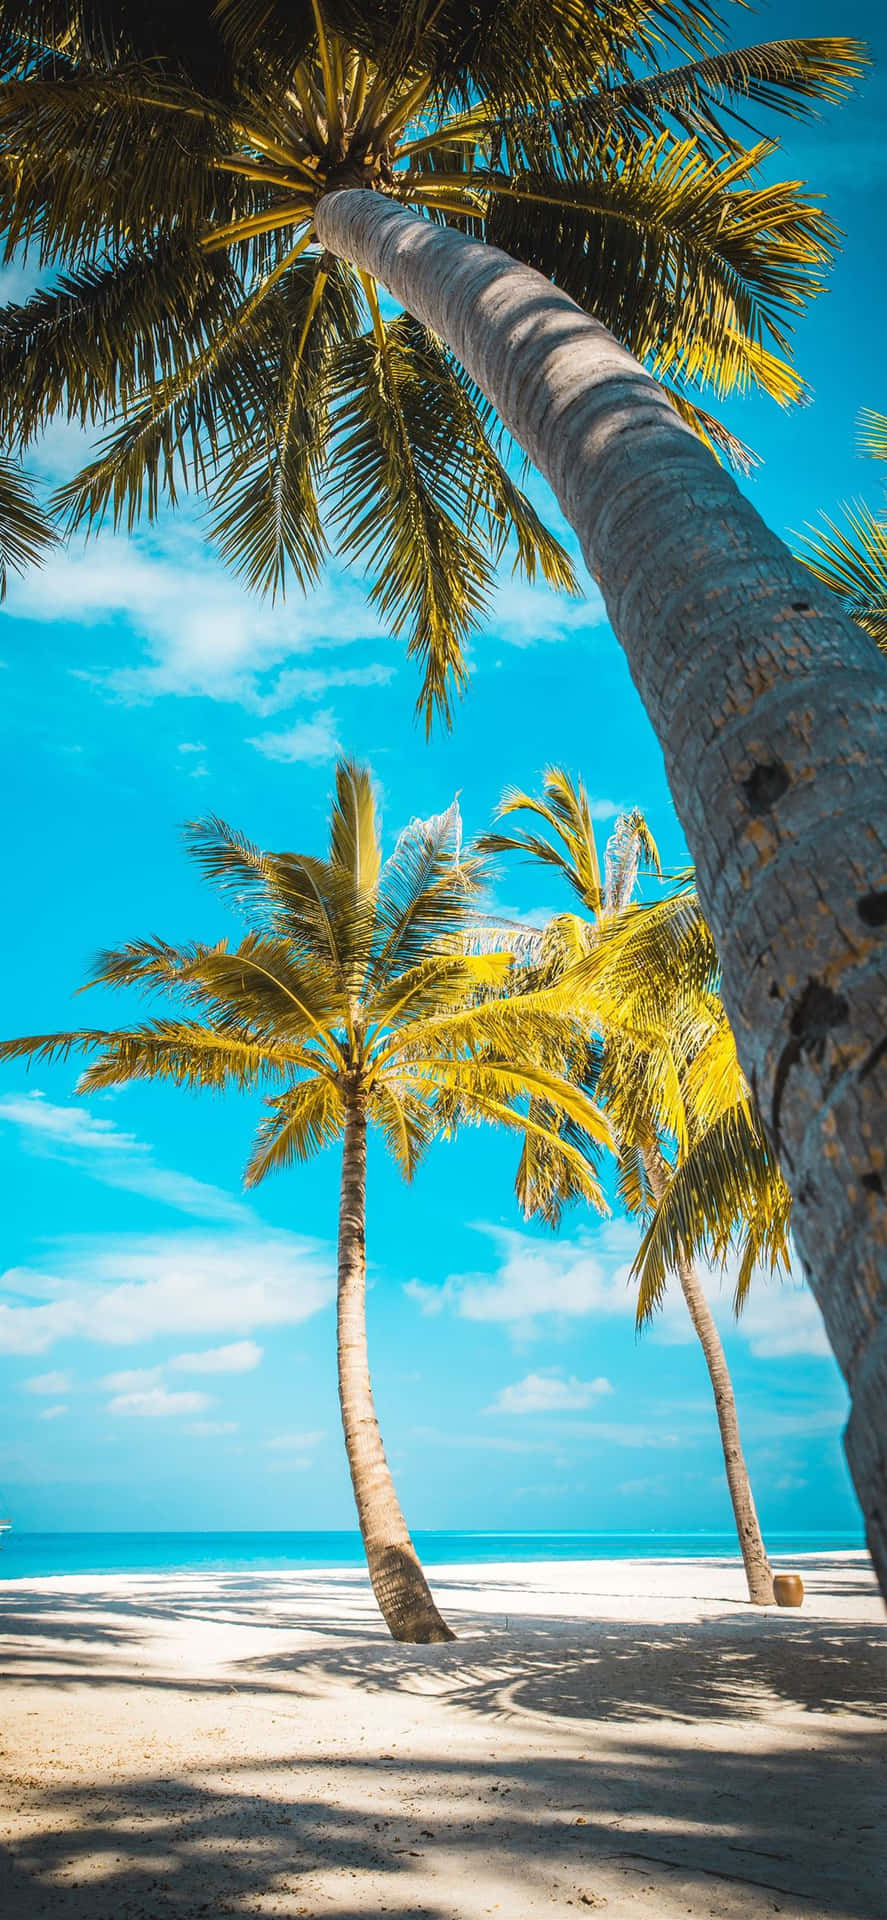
[(586, 1764)]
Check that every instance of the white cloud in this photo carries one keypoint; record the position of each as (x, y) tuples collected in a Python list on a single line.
[(294, 1442), (49, 1383), (535, 1277), (115, 1158), (132, 1379), (53, 1413), (780, 1319), (549, 1393), (156, 1403), (310, 741), (211, 1429), (524, 615), (591, 1275), (240, 1356), (192, 746), (311, 683), (200, 632), (66, 1126), (119, 1291)]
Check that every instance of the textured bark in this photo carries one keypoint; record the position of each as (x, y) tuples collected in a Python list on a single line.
[(758, 1572), (399, 1584), (771, 710)]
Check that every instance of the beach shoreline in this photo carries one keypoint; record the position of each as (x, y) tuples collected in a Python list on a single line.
[(614, 1734)]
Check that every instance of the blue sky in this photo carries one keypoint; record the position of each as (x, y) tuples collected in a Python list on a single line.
[(167, 1346)]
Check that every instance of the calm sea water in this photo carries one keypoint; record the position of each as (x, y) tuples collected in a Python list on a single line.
[(27, 1556)]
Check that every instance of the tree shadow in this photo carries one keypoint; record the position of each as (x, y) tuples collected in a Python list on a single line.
[(270, 1834)]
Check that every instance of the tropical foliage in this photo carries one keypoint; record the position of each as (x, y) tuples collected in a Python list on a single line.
[(665, 1067), (352, 997), (26, 534), (167, 164), (692, 1156), (851, 555)]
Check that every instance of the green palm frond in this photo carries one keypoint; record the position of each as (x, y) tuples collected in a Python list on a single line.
[(727, 1178), (407, 1123), (852, 561), (300, 1124), (353, 989), (26, 534), (165, 164), (873, 433)]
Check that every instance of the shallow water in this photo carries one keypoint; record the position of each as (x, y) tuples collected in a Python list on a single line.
[(35, 1555)]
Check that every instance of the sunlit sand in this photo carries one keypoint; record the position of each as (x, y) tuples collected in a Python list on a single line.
[(628, 1736)]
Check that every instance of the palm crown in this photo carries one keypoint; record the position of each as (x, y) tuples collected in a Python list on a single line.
[(666, 1070), (168, 162), (354, 985)]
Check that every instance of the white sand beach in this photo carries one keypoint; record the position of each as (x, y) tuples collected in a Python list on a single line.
[(622, 1736)]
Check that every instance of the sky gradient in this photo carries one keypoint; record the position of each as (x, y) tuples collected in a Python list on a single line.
[(166, 1345)]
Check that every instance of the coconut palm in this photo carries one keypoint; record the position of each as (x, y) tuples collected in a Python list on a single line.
[(217, 181), (353, 999), (851, 557), (657, 1061), (26, 534)]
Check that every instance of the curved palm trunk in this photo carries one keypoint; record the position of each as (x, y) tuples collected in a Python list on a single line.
[(399, 1584), (771, 709), (758, 1572)]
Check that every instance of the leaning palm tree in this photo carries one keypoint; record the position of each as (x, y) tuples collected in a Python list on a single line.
[(641, 1076), (353, 997), (851, 557), (215, 181)]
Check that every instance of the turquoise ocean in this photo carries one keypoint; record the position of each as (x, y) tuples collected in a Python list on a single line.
[(30, 1556)]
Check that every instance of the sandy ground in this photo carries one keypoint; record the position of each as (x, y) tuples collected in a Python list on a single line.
[(628, 1737)]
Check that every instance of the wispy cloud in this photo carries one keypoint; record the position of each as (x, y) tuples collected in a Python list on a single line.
[(196, 629), (157, 1403), (49, 1383), (549, 1393), (116, 1158), (293, 1451), (73, 1127), (121, 1290), (53, 1413), (240, 1356), (538, 1280), (310, 741)]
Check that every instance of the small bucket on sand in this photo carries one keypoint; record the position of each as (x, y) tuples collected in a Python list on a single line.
[(788, 1589)]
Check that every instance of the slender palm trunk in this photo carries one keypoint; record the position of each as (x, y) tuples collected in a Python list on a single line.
[(399, 1584), (758, 1572), (771, 709)]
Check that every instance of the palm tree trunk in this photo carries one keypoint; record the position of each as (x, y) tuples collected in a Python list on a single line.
[(758, 1572), (771, 709), (399, 1584)]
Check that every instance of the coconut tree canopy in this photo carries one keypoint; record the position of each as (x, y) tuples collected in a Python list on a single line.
[(164, 164)]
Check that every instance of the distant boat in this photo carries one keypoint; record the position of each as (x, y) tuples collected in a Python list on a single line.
[(4, 1528)]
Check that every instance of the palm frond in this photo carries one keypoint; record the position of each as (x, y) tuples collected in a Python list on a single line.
[(727, 1178), (26, 533), (300, 1124), (407, 1124), (852, 561)]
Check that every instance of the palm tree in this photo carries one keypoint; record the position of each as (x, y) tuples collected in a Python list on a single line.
[(636, 1076), (219, 184), (353, 996), (852, 558), (26, 534)]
